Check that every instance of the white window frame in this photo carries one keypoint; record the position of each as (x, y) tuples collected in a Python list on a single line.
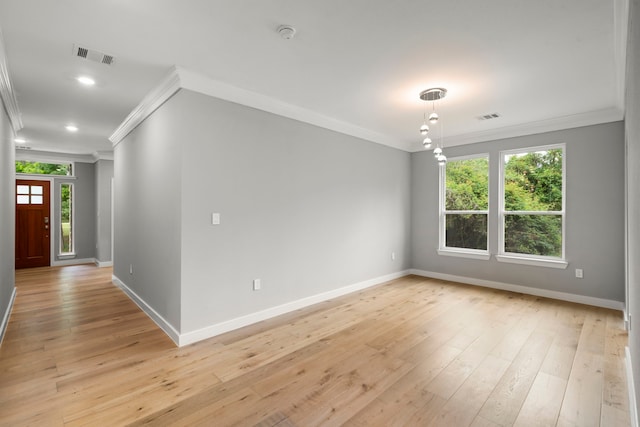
[(72, 252), (453, 251), (528, 259)]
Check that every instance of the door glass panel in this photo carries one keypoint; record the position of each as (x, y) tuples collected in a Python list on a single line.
[(23, 200), (23, 189), (36, 200), (36, 189)]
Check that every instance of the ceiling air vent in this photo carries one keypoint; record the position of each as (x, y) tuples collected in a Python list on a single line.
[(22, 147), (93, 55), (489, 116)]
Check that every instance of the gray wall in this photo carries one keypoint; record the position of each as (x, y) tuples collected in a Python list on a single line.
[(103, 177), (147, 208), (84, 206), (7, 213), (632, 127), (304, 209), (594, 214)]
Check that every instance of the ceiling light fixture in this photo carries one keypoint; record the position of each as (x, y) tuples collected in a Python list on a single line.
[(432, 95), (20, 140), (71, 128), (87, 81)]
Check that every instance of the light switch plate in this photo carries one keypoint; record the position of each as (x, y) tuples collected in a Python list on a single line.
[(215, 219)]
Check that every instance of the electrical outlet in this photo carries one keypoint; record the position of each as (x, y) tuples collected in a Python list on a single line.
[(579, 274), (130, 268), (257, 284), (393, 256)]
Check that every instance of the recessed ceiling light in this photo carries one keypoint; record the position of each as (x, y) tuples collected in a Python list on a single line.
[(87, 81), (71, 128), (20, 140)]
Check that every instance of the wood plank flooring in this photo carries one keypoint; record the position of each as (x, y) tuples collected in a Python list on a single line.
[(413, 352)]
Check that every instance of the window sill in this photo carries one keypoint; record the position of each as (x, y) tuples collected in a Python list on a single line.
[(549, 263), (66, 256), (465, 254)]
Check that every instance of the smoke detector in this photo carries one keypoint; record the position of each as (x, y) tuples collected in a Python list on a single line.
[(93, 55), (286, 31)]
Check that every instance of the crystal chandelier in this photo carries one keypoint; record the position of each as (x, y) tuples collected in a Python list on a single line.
[(432, 95)]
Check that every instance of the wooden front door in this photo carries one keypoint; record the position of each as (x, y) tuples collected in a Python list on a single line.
[(32, 224)]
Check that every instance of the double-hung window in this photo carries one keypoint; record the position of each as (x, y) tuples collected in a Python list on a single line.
[(464, 207), (532, 206)]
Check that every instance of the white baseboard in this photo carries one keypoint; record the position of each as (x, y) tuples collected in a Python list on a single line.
[(104, 263), (182, 339), (154, 315), (239, 322), (563, 296), (73, 261), (633, 409), (7, 315)]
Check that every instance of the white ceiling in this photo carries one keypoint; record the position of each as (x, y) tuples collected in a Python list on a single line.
[(541, 65)]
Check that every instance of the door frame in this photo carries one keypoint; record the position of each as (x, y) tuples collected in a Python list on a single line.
[(53, 221)]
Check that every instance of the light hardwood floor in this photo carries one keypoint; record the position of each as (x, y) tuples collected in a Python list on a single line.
[(415, 352)]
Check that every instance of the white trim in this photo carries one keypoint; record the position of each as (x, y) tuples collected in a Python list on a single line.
[(180, 78), (631, 387), (36, 177), (202, 84), (102, 155), (239, 322), (150, 103), (443, 212), (149, 311), (66, 255), (104, 263), (464, 253), (7, 93), (529, 259), (7, 314), (53, 157), (562, 296), (620, 36), (539, 262), (74, 261), (589, 118)]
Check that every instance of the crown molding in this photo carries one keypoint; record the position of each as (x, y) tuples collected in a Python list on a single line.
[(51, 156), (531, 128), (154, 99), (180, 78), (202, 84), (102, 155), (6, 91), (620, 42)]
